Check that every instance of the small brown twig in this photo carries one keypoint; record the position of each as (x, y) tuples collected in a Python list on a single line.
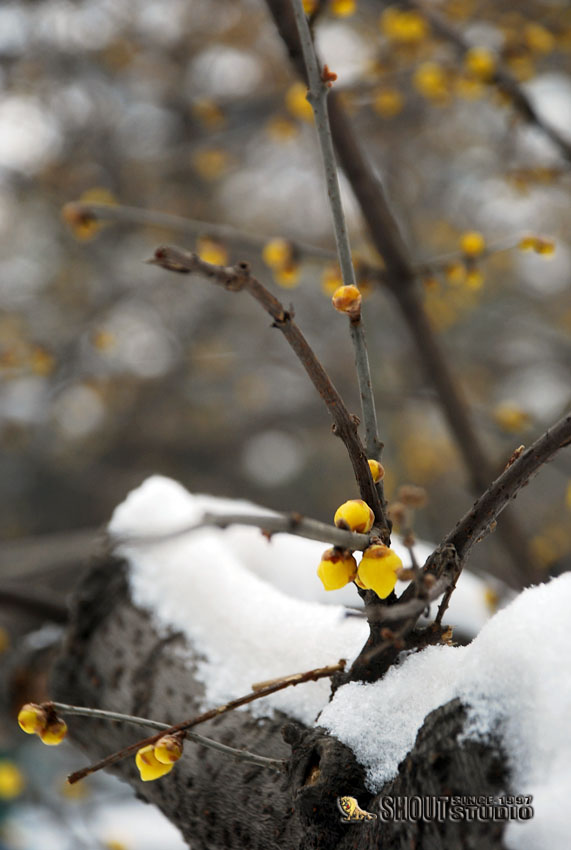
[(294, 523), (239, 278), (280, 684)]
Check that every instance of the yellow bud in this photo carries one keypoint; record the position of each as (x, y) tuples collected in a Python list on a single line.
[(403, 27), (545, 246), (377, 470), (336, 569), (480, 62), (472, 243), (431, 81), (168, 749), (149, 766), (343, 8), (54, 733), (211, 251), (539, 39), (331, 279), (354, 515), (347, 299), (277, 253), (11, 780), (455, 273), (511, 418), (527, 243), (474, 279), (287, 276), (388, 102), (378, 569), (32, 719), (297, 102)]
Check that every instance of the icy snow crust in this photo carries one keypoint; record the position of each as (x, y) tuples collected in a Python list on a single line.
[(214, 586)]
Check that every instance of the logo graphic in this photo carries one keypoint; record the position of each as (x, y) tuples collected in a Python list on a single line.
[(351, 811)]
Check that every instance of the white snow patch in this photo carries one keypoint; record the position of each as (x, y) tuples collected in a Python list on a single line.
[(245, 629), (515, 676)]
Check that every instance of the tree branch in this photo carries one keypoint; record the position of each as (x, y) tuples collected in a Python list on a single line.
[(257, 693), (294, 523), (238, 278), (240, 755)]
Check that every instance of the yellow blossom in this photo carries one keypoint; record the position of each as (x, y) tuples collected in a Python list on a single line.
[(480, 62), (11, 780), (539, 39), (32, 718), (211, 163), (377, 470), (347, 299), (287, 276), (297, 102), (455, 273), (378, 569), (54, 733), (343, 8), (431, 81), (168, 749), (511, 418), (472, 243), (474, 279), (211, 251), (277, 253), (149, 766), (403, 27), (354, 515), (388, 102), (336, 568)]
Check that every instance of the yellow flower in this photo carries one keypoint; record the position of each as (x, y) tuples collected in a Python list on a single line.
[(388, 102), (403, 27), (297, 102), (455, 273), (149, 766), (377, 470), (336, 569), (343, 8), (354, 515), (331, 279), (211, 163), (472, 243), (32, 719), (277, 253), (211, 251), (287, 276), (54, 733), (11, 780), (511, 418), (347, 299), (431, 81), (378, 569), (168, 749), (474, 279), (480, 62), (539, 39)]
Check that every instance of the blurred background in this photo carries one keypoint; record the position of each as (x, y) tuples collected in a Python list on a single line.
[(111, 369)]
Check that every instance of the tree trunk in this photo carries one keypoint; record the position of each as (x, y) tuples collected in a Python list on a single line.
[(114, 659)]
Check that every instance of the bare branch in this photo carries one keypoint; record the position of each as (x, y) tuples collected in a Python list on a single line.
[(293, 523), (286, 682), (240, 755), (238, 278)]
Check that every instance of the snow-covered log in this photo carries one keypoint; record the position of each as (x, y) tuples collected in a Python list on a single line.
[(167, 629)]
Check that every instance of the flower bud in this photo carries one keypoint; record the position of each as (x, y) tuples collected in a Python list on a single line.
[(149, 766), (354, 515), (378, 569), (168, 749), (54, 733), (347, 299), (472, 243), (32, 718), (377, 470), (337, 568)]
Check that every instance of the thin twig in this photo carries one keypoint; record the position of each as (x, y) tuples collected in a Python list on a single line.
[(286, 682), (83, 211), (241, 755), (317, 96), (239, 278), (296, 524)]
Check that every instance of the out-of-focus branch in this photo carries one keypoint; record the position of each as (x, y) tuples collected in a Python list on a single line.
[(293, 523), (238, 278), (399, 279), (39, 602), (84, 212), (501, 77)]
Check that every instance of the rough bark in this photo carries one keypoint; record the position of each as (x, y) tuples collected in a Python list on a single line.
[(113, 658)]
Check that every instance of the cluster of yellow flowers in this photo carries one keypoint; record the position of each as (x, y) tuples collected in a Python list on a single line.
[(379, 565), (280, 256), (156, 760), (538, 244), (42, 721)]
